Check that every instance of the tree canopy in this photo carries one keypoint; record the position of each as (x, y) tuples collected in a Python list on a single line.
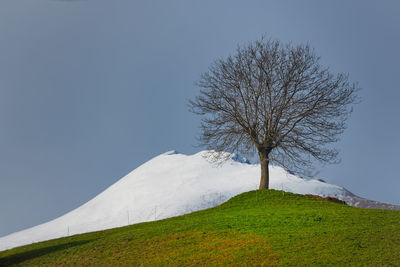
[(277, 100)]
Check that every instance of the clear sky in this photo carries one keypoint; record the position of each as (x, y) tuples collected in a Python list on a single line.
[(89, 90)]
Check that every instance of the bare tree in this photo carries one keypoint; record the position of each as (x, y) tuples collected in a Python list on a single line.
[(277, 100)]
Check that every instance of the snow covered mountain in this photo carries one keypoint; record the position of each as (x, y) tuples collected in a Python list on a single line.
[(173, 184)]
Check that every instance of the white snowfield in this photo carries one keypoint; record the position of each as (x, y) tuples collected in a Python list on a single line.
[(173, 184)]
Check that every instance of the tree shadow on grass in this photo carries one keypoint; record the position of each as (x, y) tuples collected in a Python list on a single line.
[(34, 253)]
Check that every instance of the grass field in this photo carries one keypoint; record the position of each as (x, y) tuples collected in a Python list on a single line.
[(268, 227)]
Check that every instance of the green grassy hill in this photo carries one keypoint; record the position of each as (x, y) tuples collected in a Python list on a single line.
[(256, 228)]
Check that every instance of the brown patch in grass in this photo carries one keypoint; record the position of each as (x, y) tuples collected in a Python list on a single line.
[(331, 199), (206, 248)]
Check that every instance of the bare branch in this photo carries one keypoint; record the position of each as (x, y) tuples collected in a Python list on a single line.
[(275, 99)]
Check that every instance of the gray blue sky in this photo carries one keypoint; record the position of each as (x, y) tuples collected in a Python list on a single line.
[(89, 90)]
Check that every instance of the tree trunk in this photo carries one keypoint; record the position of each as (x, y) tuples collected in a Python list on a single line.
[(264, 162)]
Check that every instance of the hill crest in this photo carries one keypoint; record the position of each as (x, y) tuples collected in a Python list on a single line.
[(173, 184)]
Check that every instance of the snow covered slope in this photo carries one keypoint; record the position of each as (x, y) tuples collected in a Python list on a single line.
[(168, 185)]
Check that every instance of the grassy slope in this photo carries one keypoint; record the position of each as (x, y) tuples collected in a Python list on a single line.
[(255, 228)]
